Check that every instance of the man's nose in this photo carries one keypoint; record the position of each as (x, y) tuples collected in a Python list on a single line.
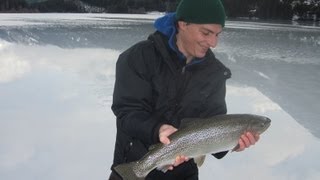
[(212, 41)]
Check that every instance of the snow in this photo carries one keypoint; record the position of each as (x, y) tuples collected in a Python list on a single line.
[(12, 19), (56, 84)]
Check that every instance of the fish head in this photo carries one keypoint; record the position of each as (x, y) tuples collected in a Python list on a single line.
[(259, 124)]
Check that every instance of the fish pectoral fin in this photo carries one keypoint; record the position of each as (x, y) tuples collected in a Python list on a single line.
[(199, 160), (235, 148), (164, 168)]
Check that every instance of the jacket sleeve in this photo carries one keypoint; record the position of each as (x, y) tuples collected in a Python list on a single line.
[(132, 97)]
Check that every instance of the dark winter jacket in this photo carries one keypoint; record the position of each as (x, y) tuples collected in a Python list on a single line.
[(155, 87)]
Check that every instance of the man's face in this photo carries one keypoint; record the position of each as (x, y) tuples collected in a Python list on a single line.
[(194, 40)]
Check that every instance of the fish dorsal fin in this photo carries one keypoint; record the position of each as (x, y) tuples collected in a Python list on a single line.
[(199, 160), (187, 122)]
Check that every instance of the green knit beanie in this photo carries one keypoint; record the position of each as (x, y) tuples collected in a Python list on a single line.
[(201, 12)]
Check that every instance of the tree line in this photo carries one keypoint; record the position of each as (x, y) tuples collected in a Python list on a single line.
[(274, 9), (262, 9)]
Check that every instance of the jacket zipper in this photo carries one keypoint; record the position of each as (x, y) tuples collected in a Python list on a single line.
[(183, 69)]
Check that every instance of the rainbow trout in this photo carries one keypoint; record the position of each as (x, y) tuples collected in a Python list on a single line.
[(194, 139)]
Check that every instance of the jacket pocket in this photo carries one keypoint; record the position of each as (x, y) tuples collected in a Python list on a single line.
[(135, 150)]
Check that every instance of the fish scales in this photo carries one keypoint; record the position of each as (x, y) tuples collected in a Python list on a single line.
[(196, 137)]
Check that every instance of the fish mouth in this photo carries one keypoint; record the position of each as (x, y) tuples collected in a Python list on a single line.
[(266, 124), (267, 121)]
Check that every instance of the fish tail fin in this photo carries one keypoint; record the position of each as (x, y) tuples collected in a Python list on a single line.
[(126, 171)]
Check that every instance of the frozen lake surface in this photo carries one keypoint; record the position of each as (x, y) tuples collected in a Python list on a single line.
[(56, 83)]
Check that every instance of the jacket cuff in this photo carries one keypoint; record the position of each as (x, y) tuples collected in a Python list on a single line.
[(156, 133)]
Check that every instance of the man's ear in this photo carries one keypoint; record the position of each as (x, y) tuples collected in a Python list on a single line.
[(182, 25)]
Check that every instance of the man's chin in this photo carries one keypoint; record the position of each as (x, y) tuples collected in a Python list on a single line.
[(201, 55)]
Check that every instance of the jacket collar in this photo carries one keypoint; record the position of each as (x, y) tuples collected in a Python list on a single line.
[(167, 26)]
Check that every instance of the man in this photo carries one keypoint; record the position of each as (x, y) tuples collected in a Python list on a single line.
[(171, 76)]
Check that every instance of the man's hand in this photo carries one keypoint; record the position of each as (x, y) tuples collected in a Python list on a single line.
[(246, 140), (164, 132)]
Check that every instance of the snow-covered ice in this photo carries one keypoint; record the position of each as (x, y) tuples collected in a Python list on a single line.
[(56, 84)]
